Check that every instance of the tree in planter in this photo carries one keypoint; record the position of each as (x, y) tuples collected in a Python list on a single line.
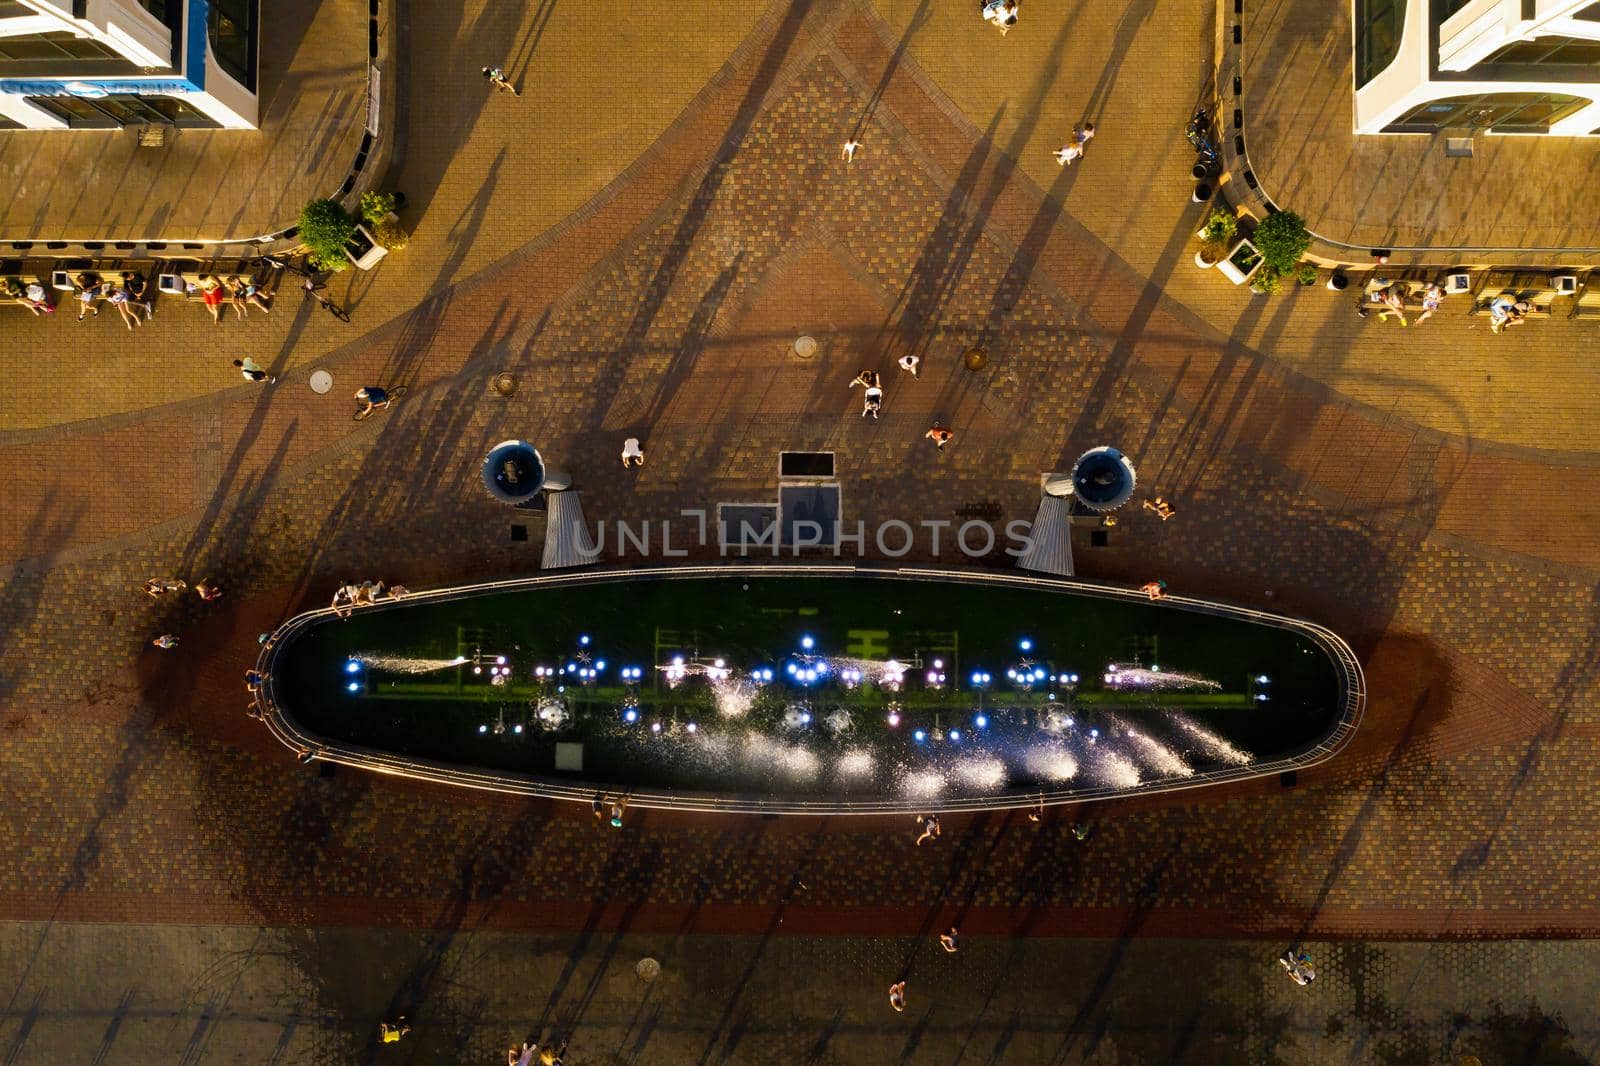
[(1283, 239), (1306, 274), (377, 209), (1218, 233), (324, 228)]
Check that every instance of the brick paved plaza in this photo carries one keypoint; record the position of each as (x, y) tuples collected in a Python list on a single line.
[(639, 238)]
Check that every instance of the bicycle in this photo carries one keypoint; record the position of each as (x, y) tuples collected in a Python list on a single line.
[(1196, 134), (314, 290), (364, 413)]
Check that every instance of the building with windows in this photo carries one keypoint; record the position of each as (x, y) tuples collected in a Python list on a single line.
[(105, 64), (1501, 66)]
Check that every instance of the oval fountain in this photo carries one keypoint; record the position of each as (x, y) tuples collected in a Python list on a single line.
[(810, 689)]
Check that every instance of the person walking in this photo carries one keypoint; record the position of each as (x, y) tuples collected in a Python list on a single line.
[(157, 587), (497, 77), (391, 1034), (1163, 510), (948, 940), (632, 453), (1298, 965), (165, 642), (930, 828), (897, 996), (616, 812), (1001, 14), (872, 399), (208, 591), (252, 371), (1156, 590), (910, 364), (848, 152), (940, 436)]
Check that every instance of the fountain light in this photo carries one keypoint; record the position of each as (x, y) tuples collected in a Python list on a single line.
[(691, 727), (894, 720), (1094, 735), (354, 686), (655, 727), (600, 664), (1263, 679), (517, 728), (919, 736), (955, 735), (500, 660), (483, 727), (980, 678), (1261, 697), (894, 673), (352, 667), (981, 721), (1025, 644), (584, 640), (805, 717), (807, 643), (477, 669), (630, 715)]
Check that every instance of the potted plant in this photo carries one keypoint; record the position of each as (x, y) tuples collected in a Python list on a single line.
[(325, 228), (1306, 274), (1267, 280), (1241, 263), (378, 211), (1215, 235)]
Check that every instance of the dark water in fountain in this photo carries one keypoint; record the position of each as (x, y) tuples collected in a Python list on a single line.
[(830, 736)]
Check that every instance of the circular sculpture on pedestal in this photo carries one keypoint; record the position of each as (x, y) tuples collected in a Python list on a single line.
[(513, 471), (1103, 478)]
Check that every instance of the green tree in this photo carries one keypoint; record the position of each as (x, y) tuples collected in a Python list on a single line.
[(324, 228)]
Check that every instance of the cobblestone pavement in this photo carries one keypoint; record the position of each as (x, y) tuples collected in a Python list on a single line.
[(225, 994), (1463, 572)]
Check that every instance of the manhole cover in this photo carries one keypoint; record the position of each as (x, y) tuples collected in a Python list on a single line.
[(805, 347), (321, 382), (648, 970), (504, 383), (975, 358)]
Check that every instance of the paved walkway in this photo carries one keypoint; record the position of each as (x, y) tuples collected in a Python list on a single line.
[(297, 998), (1465, 572)]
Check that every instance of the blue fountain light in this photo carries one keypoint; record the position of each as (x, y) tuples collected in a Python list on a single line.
[(805, 717), (807, 643), (483, 727), (691, 727), (1263, 679), (1025, 644), (584, 640), (955, 735), (352, 667), (919, 736), (599, 664), (630, 715), (981, 721), (354, 686)]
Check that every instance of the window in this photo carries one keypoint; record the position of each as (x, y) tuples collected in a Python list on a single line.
[(1501, 112), (122, 109), (1378, 26), (1554, 51), (55, 46), (233, 30)]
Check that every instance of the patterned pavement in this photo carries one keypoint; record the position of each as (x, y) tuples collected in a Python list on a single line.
[(1463, 571)]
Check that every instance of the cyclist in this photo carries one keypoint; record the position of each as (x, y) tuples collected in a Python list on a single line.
[(371, 398)]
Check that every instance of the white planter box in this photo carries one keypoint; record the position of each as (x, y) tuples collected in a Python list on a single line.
[(369, 258), (1230, 269)]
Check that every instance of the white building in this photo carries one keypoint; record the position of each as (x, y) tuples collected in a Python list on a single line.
[(1504, 66), (105, 64)]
